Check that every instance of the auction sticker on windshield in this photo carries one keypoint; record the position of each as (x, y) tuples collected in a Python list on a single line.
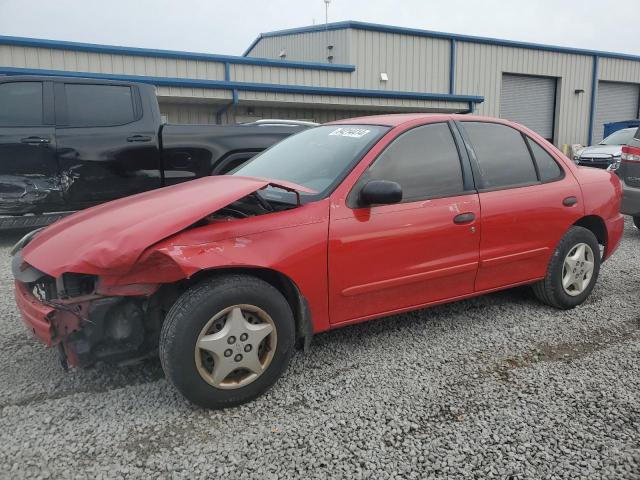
[(350, 132)]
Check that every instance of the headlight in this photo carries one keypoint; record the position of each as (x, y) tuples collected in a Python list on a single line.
[(615, 164), (20, 244)]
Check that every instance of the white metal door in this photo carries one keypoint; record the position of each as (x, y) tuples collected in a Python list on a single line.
[(616, 102), (530, 101)]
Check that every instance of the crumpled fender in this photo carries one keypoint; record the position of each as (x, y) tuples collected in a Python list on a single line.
[(109, 238), (291, 242)]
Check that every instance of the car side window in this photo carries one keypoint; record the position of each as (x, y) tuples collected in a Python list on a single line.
[(99, 105), (424, 161), (548, 168), (501, 154), (21, 104)]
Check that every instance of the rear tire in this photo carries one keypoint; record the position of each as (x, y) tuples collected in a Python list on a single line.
[(636, 221), (227, 340), (572, 272)]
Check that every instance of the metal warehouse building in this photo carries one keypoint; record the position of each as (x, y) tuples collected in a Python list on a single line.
[(351, 68)]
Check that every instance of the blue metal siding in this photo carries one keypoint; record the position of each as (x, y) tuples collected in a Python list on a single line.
[(148, 52)]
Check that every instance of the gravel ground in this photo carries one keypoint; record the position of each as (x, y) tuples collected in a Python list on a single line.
[(494, 387)]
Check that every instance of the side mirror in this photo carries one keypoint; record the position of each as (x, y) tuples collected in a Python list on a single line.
[(380, 192)]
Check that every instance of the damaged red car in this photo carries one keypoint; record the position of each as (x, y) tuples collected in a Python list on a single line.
[(345, 222)]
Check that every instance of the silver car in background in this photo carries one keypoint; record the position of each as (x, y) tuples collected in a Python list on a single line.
[(607, 152)]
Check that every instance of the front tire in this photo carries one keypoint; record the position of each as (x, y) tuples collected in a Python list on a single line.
[(636, 221), (227, 340), (572, 272)]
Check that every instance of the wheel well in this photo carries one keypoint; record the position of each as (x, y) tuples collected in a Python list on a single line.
[(283, 284), (596, 225)]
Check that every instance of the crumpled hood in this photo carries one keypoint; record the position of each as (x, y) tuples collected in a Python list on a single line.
[(604, 150), (112, 236)]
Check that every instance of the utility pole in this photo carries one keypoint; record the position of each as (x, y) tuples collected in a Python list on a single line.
[(326, 30), (326, 12)]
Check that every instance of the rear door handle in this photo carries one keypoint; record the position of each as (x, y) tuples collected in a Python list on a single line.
[(35, 140), (569, 201), (139, 138), (464, 218)]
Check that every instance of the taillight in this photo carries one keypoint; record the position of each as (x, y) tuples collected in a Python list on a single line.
[(630, 154)]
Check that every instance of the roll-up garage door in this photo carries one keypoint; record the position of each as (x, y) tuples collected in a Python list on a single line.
[(530, 101), (616, 102)]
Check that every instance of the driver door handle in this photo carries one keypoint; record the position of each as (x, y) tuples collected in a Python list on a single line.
[(139, 138), (35, 140), (463, 218)]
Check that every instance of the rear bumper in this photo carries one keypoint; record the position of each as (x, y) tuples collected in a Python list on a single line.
[(35, 315), (630, 200), (615, 229)]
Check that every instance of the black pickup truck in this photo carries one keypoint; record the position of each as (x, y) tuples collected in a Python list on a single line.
[(70, 143)]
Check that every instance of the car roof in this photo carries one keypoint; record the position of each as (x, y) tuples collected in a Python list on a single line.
[(398, 119)]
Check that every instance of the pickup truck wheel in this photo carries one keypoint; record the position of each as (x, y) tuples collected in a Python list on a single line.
[(636, 221), (227, 340), (572, 271)]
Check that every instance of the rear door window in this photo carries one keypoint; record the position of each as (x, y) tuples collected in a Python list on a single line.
[(21, 104), (501, 155), (424, 161), (99, 105)]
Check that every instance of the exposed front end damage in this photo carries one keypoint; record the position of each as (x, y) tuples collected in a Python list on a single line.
[(101, 292), (88, 326)]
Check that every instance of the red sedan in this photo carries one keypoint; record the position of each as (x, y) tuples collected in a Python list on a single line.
[(338, 224)]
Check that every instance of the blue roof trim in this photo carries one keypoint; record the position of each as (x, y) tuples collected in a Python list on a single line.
[(253, 44), (255, 87), (148, 52), (449, 36)]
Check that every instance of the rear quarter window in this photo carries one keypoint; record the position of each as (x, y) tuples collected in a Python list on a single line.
[(548, 168)]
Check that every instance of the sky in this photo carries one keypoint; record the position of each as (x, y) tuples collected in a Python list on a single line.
[(228, 27)]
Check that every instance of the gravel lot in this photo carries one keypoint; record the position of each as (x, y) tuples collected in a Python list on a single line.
[(494, 387)]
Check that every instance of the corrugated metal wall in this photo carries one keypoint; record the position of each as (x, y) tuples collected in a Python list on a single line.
[(308, 47), (421, 64), (54, 59), (184, 101), (479, 70), (413, 64), (188, 112), (248, 114)]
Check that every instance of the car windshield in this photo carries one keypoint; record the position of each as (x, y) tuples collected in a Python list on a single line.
[(318, 158), (621, 137)]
